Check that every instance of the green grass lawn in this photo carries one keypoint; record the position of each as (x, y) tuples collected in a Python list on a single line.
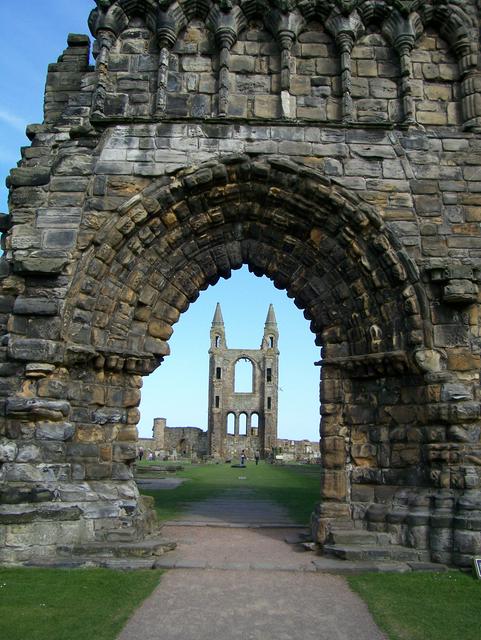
[(295, 486), (423, 606), (55, 604)]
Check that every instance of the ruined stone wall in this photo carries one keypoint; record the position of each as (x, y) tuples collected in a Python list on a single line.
[(298, 450), (333, 147), (187, 441), (243, 419)]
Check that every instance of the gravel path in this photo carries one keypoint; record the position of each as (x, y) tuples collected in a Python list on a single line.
[(196, 604), (251, 581)]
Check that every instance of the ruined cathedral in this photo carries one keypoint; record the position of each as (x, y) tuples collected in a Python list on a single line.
[(333, 146), (247, 419), (239, 419)]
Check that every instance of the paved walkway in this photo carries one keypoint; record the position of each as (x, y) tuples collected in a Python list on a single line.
[(240, 576)]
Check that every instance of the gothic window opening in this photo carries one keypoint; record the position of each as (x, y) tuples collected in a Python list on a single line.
[(218, 373), (243, 376), (269, 375), (269, 402), (217, 402), (271, 342), (255, 424), (243, 424), (230, 424), (217, 341)]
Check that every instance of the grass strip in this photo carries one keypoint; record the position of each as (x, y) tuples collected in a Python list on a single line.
[(423, 606), (62, 604), (297, 487)]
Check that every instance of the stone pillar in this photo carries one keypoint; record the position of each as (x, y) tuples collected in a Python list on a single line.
[(345, 27), (286, 40), (467, 53), (334, 506), (404, 45), (166, 39), (106, 40), (471, 100), (225, 37), (345, 44)]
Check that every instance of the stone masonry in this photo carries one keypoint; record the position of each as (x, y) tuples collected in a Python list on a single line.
[(259, 403), (332, 146), (191, 442)]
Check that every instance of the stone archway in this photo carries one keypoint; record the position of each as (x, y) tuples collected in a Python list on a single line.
[(336, 259), (129, 204)]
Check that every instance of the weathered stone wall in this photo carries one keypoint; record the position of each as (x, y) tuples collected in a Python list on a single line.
[(297, 450), (187, 441), (334, 149)]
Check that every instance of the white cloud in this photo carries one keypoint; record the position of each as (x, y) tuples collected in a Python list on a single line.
[(12, 120)]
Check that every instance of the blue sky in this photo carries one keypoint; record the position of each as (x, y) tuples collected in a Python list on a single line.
[(33, 34)]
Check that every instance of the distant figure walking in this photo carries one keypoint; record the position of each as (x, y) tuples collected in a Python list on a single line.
[(243, 458), (141, 453), (257, 456)]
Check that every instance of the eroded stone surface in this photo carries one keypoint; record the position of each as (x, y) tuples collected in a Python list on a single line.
[(343, 162)]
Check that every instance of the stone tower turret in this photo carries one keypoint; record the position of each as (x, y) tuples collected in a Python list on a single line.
[(270, 379), (243, 419)]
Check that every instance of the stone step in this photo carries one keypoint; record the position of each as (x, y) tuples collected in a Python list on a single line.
[(358, 536), (145, 549), (376, 552), (89, 562)]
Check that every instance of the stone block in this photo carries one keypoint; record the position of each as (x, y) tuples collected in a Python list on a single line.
[(28, 453), (242, 64), (54, 431), (366, 68), (40, 262), (267, 106), (371, 110), (124, 452), (200, 106), (431, 117), (460, 292), (451, 335), (82, 451), (35, 306), (29, 177), (363, 168), (333, 452), (98, 471), (383, 88), (300, 85), (333, 485), (44, 534), (36, 408), (324, 67), (177, 105), (462, 359), (8, 451), (23, 472)]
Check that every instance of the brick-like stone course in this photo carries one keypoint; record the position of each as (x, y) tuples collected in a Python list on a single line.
[(337, 156)]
